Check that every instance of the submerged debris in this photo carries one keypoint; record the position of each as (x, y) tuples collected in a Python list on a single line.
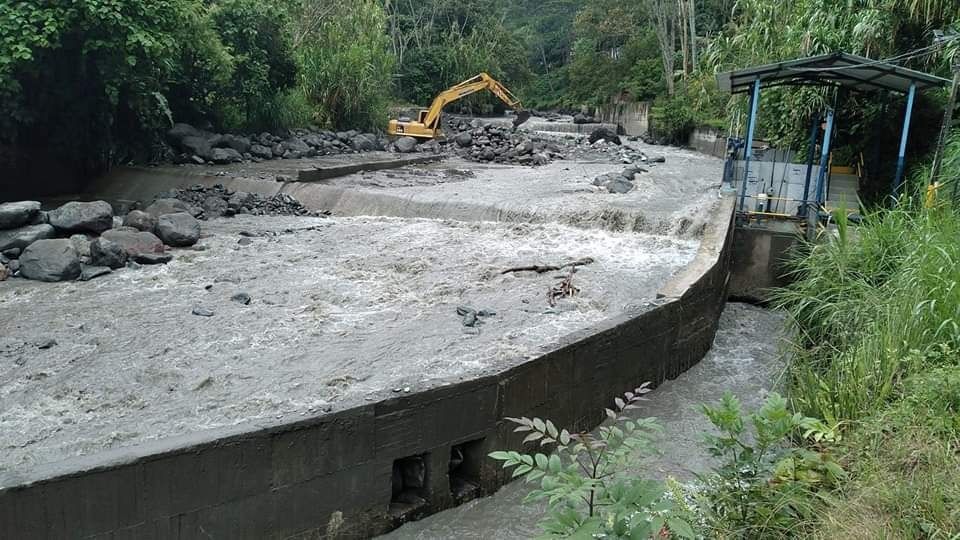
[(564, 289), (472, 317)]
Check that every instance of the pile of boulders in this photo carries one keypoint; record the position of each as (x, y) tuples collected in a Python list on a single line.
[(619, 182), (209, 202), (499, 144), (83, 240), (605, 145), (192, 145)]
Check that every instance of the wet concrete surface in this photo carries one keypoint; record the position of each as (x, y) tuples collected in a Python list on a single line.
[(343, 310), (746, 360)]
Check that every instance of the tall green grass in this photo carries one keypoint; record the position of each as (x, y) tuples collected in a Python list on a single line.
[(873, 305)]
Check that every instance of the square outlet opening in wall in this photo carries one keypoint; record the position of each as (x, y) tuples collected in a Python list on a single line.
[(409, 486), (464, 472)]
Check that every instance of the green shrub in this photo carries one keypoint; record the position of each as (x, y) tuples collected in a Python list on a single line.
[(764, 486), (346, 66), (86, 79), (871, 306), (584, 483), (96, 82), (256, 35), (674, 118)]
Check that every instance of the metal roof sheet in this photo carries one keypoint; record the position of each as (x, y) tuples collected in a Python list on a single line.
[(837, 69)]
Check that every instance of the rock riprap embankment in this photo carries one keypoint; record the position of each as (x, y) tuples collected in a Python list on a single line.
[(82, 240), (90, 241), (205, 202), (197, 146)]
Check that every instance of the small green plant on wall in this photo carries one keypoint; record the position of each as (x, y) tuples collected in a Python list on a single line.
[(584, 481)]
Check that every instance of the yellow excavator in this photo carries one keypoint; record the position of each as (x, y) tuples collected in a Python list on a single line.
[(427, 125)]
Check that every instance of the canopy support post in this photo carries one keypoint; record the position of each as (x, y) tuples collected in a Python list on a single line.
[(751, 127), (811, 148), (904, 135), (813, 216)]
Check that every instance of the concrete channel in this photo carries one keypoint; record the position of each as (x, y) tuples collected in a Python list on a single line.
[(384, 439)]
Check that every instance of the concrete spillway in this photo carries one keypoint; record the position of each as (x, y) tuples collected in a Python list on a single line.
[(293, 413), (342, 308)]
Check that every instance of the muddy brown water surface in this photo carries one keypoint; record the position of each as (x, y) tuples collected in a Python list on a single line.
[(343, 309)]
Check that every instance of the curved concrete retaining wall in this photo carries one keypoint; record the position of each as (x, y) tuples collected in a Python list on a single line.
[(334, 475)]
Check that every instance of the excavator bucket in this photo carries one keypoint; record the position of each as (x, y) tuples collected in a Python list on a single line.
[(522, 117)]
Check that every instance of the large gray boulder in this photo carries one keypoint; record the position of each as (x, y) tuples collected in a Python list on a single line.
[(178, 230), (181, 131), (405, 145), (222, 156), (464, 140), (524, 148), (15, 214), (140, 220), (605, 134), (261, 151), (104, 252), (363, 143), (296, 146), (620, 185), (167, 206), (24, 236), (214, 207), (134, 243), (74, 217), (50, 260), (240, 144), (198, 146)]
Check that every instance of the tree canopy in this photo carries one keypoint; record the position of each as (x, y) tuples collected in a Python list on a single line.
[(99, 79)]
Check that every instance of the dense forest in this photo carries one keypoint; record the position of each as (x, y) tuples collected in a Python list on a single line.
[(97, 80)]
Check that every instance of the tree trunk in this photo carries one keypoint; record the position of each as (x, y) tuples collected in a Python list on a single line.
[(682, 22), (693, 35), (664, 15)]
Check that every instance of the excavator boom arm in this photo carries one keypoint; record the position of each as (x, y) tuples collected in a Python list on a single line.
[(464, 89)]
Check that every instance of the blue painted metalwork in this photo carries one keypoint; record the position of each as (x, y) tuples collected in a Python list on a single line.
[(733, 150), (751, 126), (824, 163), (904, 134), (811, 148)]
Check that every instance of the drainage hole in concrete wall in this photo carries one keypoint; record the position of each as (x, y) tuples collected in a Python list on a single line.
[(410, 493), (464, 472)]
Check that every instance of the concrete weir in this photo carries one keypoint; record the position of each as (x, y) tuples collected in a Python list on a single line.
[(368, 467)]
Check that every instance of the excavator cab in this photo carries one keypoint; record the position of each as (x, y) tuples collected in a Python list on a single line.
[(427, 125)]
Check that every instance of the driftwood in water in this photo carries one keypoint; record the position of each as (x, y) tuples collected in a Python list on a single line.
[(540, 269)]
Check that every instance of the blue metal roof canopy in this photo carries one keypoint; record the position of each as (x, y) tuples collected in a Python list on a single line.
[(839, 70)]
